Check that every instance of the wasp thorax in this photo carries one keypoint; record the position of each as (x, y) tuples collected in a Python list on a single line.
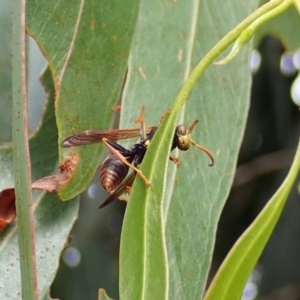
[(183, 138)]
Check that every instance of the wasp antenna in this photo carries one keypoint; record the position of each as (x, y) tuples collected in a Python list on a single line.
[(206, 151), (192, 126)]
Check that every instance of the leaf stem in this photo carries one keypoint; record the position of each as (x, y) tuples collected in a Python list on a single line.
[(21, 158), (219, 48)]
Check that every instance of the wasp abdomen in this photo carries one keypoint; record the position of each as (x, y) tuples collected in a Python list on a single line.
[(112, 172)]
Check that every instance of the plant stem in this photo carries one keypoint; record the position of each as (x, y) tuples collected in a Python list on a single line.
[(219, 48), (21, 158)]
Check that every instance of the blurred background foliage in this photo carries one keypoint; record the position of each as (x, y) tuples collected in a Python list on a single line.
[(91, 259)]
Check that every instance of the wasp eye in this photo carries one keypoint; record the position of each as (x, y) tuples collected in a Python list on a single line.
[(181, 130)]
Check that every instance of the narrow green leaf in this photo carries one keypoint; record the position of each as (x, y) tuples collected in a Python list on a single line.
[(182, 210), (231, 278)]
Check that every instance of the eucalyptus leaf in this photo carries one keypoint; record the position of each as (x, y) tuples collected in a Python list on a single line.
[(183, 209), (53, 218), (87, 46)]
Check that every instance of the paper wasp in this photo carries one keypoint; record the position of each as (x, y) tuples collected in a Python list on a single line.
[(115, 167)]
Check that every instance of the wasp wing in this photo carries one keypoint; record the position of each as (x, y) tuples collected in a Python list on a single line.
[(95, 136), (120, 190)]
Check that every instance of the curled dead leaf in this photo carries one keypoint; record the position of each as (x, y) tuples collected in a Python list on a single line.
[(7, 207), (54, 182)]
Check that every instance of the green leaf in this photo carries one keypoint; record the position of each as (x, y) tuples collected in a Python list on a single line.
[(53, 219), (183, 209), (87, 47), (5, 71), (87, 50), (231, 278)]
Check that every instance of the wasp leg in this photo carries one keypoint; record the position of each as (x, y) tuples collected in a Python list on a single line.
[(174, 159), (140, 120), (124, 161), (128, 189)]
